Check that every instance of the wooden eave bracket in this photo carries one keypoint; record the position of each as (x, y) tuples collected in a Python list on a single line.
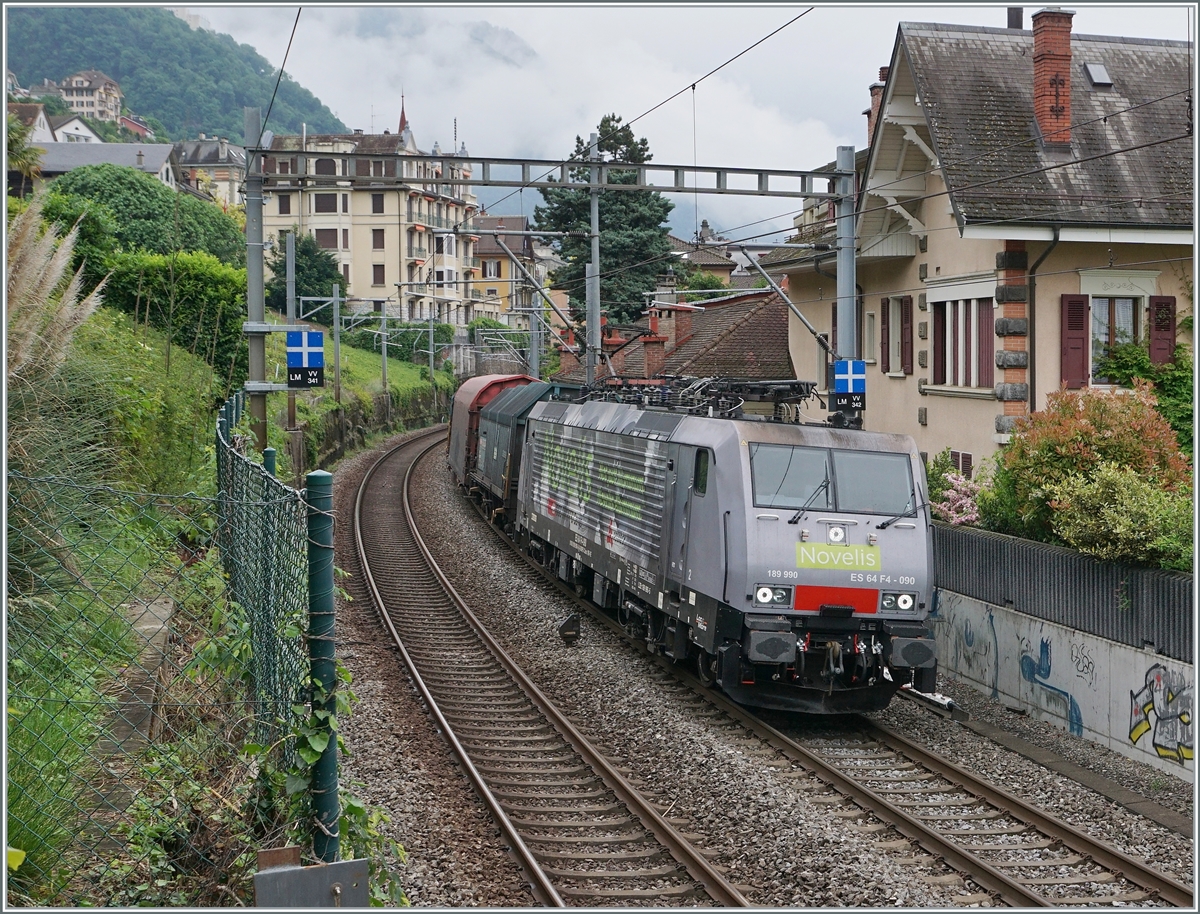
[(915, 225), (913, 137)]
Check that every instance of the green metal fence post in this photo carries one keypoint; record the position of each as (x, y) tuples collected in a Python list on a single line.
[(319, 496), (269, 460)]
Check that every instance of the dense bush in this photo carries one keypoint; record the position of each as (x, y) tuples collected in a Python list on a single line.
[(1073, 436), (199, 302), (1174, 383), (152, 217), (1120, 516), (96, 238)]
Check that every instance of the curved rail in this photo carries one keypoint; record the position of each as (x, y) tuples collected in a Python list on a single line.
[(521, 833)]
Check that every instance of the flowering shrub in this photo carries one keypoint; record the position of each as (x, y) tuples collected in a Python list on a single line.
[(1120, 516), (1077, 433), (958, 501)]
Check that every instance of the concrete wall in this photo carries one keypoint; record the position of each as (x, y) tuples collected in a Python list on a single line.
[(1133, 701)]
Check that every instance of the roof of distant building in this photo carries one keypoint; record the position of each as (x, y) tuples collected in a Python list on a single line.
[(742, 335), (208, 153), (518, 244), (62, 157), (700, 256), (27, 114)]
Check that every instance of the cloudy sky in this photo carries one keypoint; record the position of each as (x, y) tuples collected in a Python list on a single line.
[(525, 80)]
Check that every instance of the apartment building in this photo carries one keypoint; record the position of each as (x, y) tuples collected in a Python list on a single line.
[(89, 93), (405, 241)]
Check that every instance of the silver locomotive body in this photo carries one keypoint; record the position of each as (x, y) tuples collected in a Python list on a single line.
[(792, 563)]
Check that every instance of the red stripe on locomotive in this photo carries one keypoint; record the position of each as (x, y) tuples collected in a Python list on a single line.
[(861, 598)]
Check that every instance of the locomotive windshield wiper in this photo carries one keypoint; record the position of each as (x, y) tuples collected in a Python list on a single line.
[(808, 504), (911, 512)]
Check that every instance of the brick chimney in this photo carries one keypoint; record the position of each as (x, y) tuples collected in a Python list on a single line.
[(872, 113), (567, 360), (1052, 75), (683, 327), (224, 149), (654, 350)]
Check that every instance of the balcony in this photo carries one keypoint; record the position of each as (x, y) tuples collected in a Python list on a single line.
[(417, 254), (415, 288), (476, 294)]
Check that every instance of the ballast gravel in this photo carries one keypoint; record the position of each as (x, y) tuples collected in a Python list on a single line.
[(779, 834)]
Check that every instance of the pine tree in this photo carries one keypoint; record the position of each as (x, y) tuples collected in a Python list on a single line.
[(633, 234)]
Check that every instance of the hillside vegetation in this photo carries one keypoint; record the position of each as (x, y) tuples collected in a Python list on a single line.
[(191, 81)]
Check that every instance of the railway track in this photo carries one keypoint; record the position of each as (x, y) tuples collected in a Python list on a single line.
[(582, 831), (1012, 851)]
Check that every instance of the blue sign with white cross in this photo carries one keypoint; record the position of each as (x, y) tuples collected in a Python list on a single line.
[(305, 358), (849, 377), (849, 385), (305, 349)]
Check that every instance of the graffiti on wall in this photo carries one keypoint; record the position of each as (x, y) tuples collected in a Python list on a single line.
[(1167, 695), (1085, 666), (975, 652), (1052, 699)]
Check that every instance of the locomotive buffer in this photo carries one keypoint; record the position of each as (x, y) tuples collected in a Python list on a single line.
[(849, 385)]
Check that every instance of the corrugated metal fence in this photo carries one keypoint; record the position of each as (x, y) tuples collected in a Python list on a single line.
[(1141, 607)]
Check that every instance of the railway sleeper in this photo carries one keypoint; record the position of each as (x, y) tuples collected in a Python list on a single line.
[(595, 809), (529, 795), (615, 874), (1127, 898), (1097, 878), (618, 824), (1072, 860), (643, 836), (682, 891), (644, 853)]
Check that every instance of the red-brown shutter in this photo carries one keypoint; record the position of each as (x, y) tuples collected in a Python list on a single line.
[(967, 463), (939, 342), (1162, 329), (906, 334), (1075, 341), (986, 341), (269, 165), (389, 168), (885, 339), (362, 168)]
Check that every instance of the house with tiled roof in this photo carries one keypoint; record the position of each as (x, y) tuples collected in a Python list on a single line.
[(71, 128), (89, 93), (214, 166), (707, 259), (405, 242), (157, 159), (1024, 205), (740, 335), (34, 117), (499, 290)]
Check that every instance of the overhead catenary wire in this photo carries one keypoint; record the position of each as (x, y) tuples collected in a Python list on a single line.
[(692, 85), (263, 129)]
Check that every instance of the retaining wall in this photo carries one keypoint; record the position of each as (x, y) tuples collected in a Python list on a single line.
[(1132, 700)]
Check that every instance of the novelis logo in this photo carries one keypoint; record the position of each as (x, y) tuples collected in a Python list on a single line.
[(851, 558)]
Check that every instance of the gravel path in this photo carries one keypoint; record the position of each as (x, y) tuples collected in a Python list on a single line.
[(780, 834)]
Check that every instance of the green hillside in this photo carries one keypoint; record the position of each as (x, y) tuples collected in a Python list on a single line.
[(191, 81)]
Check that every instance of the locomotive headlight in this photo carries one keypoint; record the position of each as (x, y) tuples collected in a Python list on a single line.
[(889, 601), (770, 595), (837, 535), (904, 601)]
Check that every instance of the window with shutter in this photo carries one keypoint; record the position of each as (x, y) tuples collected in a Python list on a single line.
[(956, 459), (345, 203), (939, 342), (377, 239), (326, 167), (326, 238), (966, 463), (906, 334), (377, 277), (1162, 329), (325, 203), (986, 344), (1076, 340), (362, 167), (285, 204), (885, 337), (345, 239), (376, 203)]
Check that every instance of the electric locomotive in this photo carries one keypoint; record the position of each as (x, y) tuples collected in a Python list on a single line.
[(790, 562)]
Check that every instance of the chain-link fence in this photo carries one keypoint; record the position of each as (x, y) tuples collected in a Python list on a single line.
[(149, 638)]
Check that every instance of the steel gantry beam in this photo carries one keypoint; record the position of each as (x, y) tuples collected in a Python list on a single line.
[(540, 174)]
